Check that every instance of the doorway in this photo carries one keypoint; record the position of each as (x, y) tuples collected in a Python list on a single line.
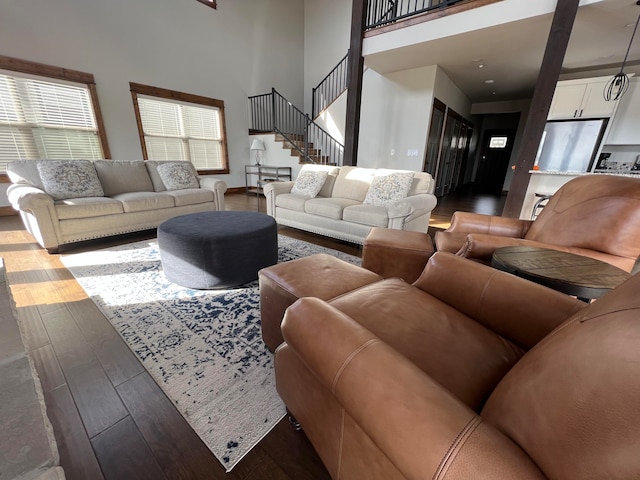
[(495, 153)]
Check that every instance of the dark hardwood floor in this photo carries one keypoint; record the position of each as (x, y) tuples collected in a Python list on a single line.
[(110, 419)]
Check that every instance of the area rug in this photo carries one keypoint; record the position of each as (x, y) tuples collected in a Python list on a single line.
[(203, 347)]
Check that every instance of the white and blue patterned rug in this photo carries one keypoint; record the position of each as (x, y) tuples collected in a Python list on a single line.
[(203, 347)]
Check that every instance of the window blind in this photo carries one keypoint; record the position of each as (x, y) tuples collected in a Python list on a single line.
[(175, 130), (46, 120)]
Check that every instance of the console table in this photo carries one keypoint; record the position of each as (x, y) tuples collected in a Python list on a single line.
[(256, 176), (583, 277)]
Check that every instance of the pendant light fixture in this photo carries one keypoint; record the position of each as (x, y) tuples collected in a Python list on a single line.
[(618, 85)]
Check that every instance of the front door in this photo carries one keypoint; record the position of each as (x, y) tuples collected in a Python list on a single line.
[(494, 159)]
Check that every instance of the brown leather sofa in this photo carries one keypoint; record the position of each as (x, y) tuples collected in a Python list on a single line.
[(595, 216), (469, 373)]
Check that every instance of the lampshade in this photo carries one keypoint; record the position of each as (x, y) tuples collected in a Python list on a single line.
[(257, 144)]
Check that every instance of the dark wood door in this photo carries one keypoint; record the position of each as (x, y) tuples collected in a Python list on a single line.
[(494, 159)]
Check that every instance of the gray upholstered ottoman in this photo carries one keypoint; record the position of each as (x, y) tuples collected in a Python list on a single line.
[(217, 249)]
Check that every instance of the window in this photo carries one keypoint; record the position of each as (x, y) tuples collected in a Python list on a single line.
[(181, 126), (47, 113), (498, 142)]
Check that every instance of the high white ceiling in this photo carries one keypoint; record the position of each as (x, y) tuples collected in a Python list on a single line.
[(511, 53)]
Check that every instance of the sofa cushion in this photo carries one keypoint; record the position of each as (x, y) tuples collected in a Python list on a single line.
[(374, 215), (422, 181), (143, 201), (87, 207), (328, 207), (178, 175), (353, 183), (70, 179), (25, 172), (152, 168), (309, 182), (386, 189), (119, 176), (291, 201), (190, 196)]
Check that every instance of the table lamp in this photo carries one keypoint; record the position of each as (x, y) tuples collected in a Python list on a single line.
[(258, 146)]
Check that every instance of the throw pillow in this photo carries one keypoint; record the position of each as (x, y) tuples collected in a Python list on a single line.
[(309, 182), (178, 175), (64, 179), (388, 189)]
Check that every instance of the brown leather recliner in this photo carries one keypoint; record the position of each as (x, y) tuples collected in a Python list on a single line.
[(469, 373), (595, 216)]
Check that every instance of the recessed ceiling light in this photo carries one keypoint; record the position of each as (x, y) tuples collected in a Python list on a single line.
[(489, 81), (481, 66)]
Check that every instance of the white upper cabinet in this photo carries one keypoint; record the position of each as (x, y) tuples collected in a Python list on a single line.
[(581, 99), (625, 128)]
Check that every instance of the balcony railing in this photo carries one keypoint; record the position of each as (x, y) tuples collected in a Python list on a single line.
[(384, 12), (331, 87)]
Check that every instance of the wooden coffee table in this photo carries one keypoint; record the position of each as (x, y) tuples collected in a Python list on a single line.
[(583, 277)]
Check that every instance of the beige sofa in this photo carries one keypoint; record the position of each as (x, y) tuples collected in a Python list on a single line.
[(68, 201), (346, 207)]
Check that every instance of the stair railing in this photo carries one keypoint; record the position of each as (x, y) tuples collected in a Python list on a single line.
[(272, 112), (383, 12), (330, 88)]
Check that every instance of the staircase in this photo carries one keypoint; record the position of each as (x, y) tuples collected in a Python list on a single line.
[(296, 146), (306, 139)]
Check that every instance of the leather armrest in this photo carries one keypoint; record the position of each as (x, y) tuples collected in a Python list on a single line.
[(469, 222), (515, 308), (450, 242), (479, 246), (390, 398)]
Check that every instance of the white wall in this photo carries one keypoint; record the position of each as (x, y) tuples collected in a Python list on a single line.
[(394, 118), (243, 48), (326, 40), (395, 115), (448, 92)]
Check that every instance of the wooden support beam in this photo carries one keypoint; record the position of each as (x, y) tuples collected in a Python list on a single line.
[(559, 35), (355, 65)]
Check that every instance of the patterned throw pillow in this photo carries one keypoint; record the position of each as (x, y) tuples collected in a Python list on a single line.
[(178, 175), (387, 189), (64, 179), (309, 182)]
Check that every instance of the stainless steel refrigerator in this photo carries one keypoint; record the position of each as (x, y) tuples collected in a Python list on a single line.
[(570, 145)]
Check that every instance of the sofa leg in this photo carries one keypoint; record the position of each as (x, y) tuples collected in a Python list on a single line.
[(294, 423), (52, 250)]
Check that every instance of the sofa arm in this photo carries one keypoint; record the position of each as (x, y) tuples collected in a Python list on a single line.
[(409, 209), (27, 198), (419, 426), (469, 222), (515, 308), (217, 186), (38, 213), (271, 190)]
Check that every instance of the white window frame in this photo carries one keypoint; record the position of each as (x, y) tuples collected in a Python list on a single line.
[(23, 73), (180, 133)]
